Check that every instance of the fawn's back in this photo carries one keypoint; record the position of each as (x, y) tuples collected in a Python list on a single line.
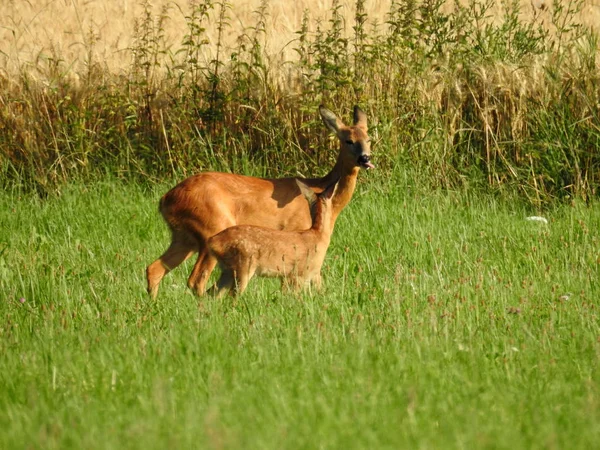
[(268, 252)]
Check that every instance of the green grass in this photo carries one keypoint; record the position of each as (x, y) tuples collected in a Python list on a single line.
[(447, 321)]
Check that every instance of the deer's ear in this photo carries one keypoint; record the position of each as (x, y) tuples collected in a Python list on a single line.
[(329, 191), (360, 118), (330, 119), (308, 193)]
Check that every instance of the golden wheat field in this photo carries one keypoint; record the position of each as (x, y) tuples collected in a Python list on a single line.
[(34, 32)]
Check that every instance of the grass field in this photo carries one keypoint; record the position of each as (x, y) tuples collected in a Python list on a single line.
[(447, 321)]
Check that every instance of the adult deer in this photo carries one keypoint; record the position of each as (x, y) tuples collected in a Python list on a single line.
[(294, 256), (206, 204)]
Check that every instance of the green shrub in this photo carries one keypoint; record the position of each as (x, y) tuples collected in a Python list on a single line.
[(460, 97)]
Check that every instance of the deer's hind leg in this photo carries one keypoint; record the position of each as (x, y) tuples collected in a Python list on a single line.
[(181, 248)]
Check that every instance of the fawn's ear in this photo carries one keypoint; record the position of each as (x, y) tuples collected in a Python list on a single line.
[(331, 120), (329, 191), (308, 193), (360, 118)]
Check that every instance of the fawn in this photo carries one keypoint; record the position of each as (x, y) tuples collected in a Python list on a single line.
[(294, 256), (208, 203)]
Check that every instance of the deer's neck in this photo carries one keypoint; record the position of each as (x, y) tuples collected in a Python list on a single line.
[(345, 188), (322, 226)]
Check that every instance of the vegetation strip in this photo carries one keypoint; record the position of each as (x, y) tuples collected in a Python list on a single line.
[(507, 102)]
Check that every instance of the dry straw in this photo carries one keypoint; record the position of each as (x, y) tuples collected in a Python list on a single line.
[(38, 30)]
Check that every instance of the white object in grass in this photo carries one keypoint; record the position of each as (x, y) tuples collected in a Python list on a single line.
[(537, 219)]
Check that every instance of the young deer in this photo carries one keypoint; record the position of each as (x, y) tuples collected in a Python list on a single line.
[(208, 203), (294, 256)]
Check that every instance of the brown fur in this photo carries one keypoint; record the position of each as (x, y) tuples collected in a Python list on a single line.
[(294, 256), (208, 203)]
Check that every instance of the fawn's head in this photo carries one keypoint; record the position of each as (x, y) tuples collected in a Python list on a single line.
[(355, 144), (320, 204)]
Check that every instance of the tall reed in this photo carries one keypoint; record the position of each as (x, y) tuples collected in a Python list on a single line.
[(461, 97)]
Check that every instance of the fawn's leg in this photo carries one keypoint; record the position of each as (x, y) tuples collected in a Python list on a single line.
[(317, 282), (204, 266), (226, 283), (206, 262), (242, 277)]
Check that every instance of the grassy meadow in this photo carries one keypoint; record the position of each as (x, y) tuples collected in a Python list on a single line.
[(447, 320)]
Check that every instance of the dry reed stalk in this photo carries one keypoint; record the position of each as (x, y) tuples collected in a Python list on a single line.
[(75, 30)]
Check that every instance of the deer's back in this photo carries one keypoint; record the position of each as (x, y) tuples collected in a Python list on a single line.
[(212, 201)]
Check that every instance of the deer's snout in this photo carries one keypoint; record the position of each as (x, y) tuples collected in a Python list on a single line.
[(364, 160)]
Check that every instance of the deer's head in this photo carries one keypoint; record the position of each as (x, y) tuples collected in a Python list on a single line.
[(355, 144)]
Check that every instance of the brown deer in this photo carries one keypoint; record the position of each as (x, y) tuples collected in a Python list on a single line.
[(294, 256), (208, 203)]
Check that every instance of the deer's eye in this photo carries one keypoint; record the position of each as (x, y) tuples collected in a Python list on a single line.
[(349, 142)]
